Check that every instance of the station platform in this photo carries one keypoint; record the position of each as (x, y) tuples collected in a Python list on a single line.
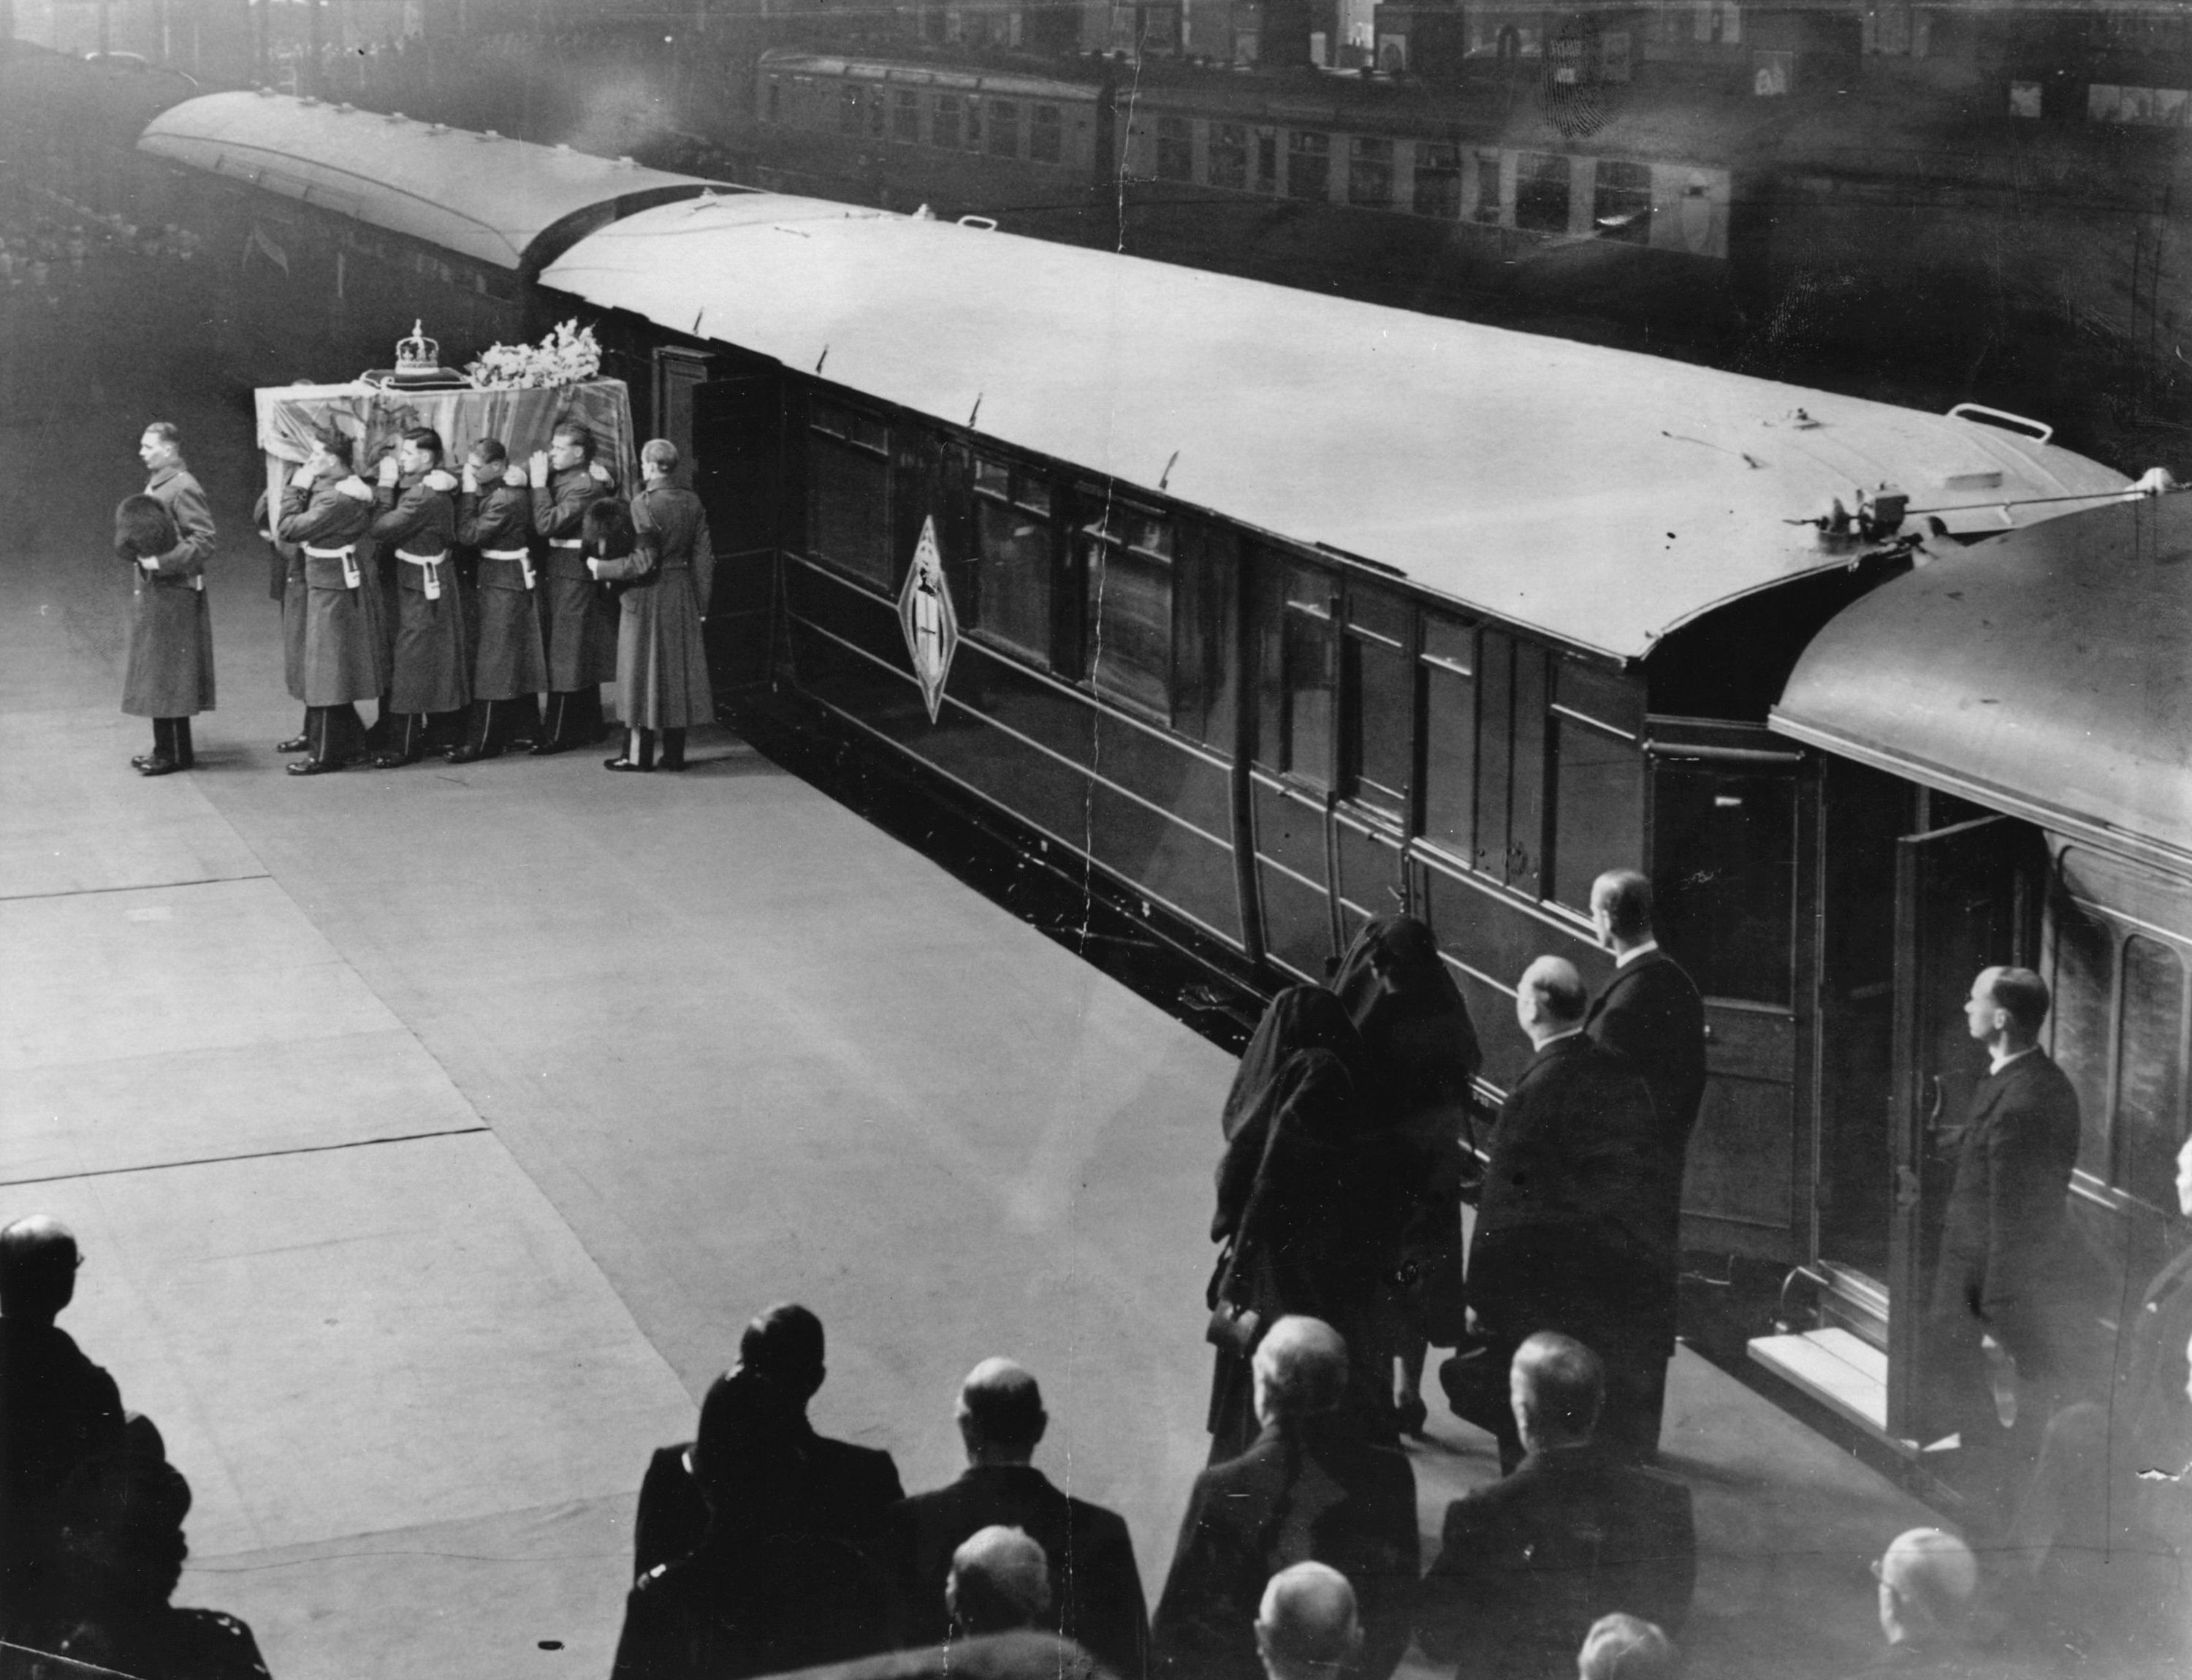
[(431, 1134)]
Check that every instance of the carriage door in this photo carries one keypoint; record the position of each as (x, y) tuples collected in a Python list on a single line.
[(737, 473), (1295, 768), (1963, 902), (1376, 757), (1730, 809)]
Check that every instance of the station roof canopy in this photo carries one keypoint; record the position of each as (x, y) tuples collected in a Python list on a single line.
[(479, 195), (2048, 674), (1601, 497)]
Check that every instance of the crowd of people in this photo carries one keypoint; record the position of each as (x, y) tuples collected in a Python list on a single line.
[(454, 600)]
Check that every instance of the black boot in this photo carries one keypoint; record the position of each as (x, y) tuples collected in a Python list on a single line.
[(673, 750), (554, 737), (318, 729), (519, 720), (407, 742), (302, 740), (186, 757), (163, 760), (638, 752), (482, 740)]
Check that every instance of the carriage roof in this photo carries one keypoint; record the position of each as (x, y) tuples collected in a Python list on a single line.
[(1601, 496), (480, 195), (2048, 674)]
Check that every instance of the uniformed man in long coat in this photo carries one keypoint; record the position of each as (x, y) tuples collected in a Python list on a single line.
[(579, 626), (326, 509), (429, 683), (510, 663), (170, 670), (662, 663), (287, 586)]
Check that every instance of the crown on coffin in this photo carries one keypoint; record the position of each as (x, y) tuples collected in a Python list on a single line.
[(417, 354)]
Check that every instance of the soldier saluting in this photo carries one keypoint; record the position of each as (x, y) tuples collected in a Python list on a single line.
[(419, 516), (578, 627)]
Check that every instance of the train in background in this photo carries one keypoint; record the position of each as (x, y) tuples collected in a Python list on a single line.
[(1259, 612)]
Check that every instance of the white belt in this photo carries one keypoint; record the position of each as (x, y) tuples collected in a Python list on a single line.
[(567, 542), (523, 556), (432, 563), (347, 555)]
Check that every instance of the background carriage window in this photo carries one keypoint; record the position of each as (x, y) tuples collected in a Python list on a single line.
[(848, 493), (1228, 164), (1449, 667), (1621, 204), (2083, 982), (1046, 133), (906, 115), (1378, 706), (1598, 778), (775, 99), (1309, 677), (1308, 164), (1438, 179), (1370, 172), (1004, 128), (973, 124), (1728, 916), (1014, 570), (1541, 192), (1127, 556), (2148, 1117), (1491, 201), (1267, 161), (943, 127), (1175, 149), (878, 112), (848, 110)]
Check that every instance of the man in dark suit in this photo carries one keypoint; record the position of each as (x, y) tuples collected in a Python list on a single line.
[(850, 1488), (1310, 1489), (1651, 1013), (1571, 1230), (1096, 1589), (1990, 1332), (1527, 1565)]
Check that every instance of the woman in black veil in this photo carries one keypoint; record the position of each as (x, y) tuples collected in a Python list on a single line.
[(1288, 1211), (1421, 1057)]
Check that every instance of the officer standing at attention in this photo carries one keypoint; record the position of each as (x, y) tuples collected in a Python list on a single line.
[(325, 510), (579, 627), (509, 664), (170, 673), (418, 515), (662, 663)]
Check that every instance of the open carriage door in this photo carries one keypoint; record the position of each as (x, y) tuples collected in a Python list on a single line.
[(1964, 900), (737, 451)]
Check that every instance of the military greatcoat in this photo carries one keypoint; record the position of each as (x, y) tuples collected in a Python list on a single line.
[(343, 656), (510, 660), (579, 624), (662, 665), (418, 519)]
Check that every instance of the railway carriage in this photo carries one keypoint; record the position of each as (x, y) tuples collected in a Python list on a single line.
[(1264, 613)]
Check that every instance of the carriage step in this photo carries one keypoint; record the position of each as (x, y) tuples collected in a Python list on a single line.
[(1842, 1372)]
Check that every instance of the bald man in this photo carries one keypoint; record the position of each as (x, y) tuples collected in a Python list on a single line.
[(1306, 1627), (1096, 1589), (1569, 1234), (57, 1408), (1929, 1579), (1000, 1583)]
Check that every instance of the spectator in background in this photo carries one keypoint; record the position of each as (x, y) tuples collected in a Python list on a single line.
[(1310, 1489), (1527, 1565), (57, 1408), (118, 1560), (850, 1489), (1650, 1011), (766, 1590), (1623, 1646), (1928, 1580), (1096, 1589), (1420, 1058), (1306, 1628), (1000, 1583)]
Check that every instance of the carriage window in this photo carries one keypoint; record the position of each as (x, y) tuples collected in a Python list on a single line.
[(906, 115), (1229, 155), (1127, 555), (1379, 712), (1449, 664), (1541, 192), (943, 128), (973, 125), (1727, 893), (1175, 149), (1309, 165), (1370, 172), (2149, 1121), (1598, 806), (1046, 134), (1491, 201), (1014, 570), (848, 493), (1004, 128), (1621, 206), (2083, 985), (775, 99), (878, 115), (848, 110), (1309, 677), (1438, 179)]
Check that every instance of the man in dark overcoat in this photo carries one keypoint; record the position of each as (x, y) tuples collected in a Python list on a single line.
[(1313, 1487), (1650, 1011), (1528, 1563), (429, 683), (1096, 1589), (170, 668), (662, 663), (1991, 1331), (577, 624), (1571, 1231), (326, 509), (510, 662)]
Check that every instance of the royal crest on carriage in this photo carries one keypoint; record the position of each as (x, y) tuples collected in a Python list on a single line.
[(930, 621)]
